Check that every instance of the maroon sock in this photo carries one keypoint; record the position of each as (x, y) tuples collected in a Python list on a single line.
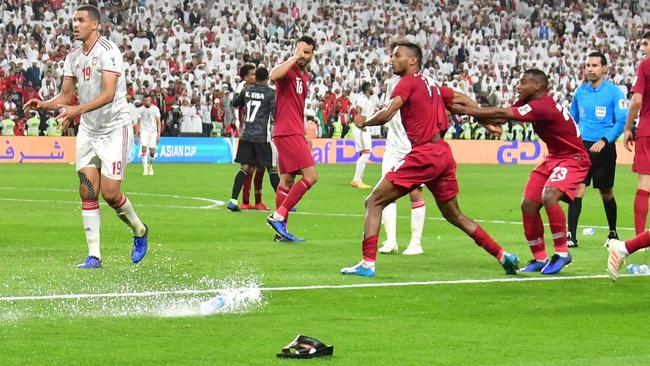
[(246, 190), (485, 241), (638, 242), (258, 180), (534, 233), (369, 248), (280, 195), (557, 223), (295, 194), (640, 210)]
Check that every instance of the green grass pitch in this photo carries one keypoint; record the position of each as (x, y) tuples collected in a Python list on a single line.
[(582, 321)]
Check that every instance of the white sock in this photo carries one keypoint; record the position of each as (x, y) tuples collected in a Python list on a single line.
[(562, 254), (151, 159), (145, 160), (389, 219), (91, 221), (277, 216), (126, 213), (418, 215), (361, 166)]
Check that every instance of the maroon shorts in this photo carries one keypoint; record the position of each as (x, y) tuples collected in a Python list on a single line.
[(563, 174), (293, 153), (641, 162), (430, 164)]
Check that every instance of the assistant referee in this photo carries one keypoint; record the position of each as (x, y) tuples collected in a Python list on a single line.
[(599, 107)]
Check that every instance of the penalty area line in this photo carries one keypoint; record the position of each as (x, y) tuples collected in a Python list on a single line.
[(306, 288)]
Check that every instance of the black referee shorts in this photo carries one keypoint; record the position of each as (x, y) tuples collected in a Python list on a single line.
[(256, 153), (603, 166)]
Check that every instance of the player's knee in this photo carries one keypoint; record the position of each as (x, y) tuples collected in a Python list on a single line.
[(111, 196), (528, 206), (607, 195)]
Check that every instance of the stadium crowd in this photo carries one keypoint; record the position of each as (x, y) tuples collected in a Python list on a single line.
[(187, 54)]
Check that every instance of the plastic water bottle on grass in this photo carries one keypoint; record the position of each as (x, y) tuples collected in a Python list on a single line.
[(212, 306), (638, 269)]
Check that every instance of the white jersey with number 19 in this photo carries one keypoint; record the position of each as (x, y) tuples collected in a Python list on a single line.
[(87, 68)]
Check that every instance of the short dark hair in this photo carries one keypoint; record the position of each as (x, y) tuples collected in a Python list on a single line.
[(414, 48), (364, 86), (261, 74), (92, 11), (539, 75), (603, 59), (646, 35), (307, 39), (244, 70)]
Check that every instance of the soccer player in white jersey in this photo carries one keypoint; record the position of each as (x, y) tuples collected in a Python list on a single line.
[(362, 139), (397, 146), (149, 123), (95, 68)]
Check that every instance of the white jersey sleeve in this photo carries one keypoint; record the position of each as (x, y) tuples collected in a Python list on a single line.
[(397, 142)]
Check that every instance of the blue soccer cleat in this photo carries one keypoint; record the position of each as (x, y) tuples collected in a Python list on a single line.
[(140, 246), (281, 228), (359, 270), (556, 264), (510, 263), (91, 262), (534, 266), (233, 207)]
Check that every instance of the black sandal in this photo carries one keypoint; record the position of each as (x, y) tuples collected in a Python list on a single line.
[(305, 347)]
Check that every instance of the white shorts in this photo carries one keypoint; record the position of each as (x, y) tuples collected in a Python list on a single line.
[(107, 153), (362, 139), (389, 160), (148, 139)]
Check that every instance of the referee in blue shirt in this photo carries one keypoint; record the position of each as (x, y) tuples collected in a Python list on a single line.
[(599, 108)]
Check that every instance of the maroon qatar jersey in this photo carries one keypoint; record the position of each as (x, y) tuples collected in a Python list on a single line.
[(553, 124), (642, 86), (290, 94)]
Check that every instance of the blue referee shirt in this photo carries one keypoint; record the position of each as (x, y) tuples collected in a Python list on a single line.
[(599, 112)]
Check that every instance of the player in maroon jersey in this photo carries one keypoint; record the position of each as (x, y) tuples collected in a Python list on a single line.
[(422, 106), (554, 179), (618, 249), (289, 134)]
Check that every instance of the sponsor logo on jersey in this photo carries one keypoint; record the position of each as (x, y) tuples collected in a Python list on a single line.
[(524, 109)]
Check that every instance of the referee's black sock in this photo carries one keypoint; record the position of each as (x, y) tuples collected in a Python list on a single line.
[(275, 179), (239, 182), (574, 213), (610, 212)]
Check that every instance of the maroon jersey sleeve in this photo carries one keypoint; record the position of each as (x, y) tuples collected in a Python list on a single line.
[(403, 89), (447, 95), (641, 75), (530, 112)]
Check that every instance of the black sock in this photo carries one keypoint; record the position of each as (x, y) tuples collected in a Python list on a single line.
[(574, 213), (239, 182), (274, 177), (610, 212)]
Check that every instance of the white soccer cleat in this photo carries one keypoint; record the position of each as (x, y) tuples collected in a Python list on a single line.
[(617, 254), (388, 248), (413, 249), (145, 170), (150, 169)]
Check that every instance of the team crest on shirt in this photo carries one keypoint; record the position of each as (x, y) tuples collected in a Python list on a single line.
[(524, 109), (95, 61), (623, 104), (601, 111)]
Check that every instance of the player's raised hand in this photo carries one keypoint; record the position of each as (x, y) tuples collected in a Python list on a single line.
[(299, 52), (628, 139), (33, 104), (360, 121), (67, 113)]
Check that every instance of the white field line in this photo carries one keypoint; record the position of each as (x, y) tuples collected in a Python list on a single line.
[(307, 288)]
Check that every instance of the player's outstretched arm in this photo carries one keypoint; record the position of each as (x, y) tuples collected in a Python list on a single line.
[(109, 86), (633, 112), (489, 113), (64, 97), (382, 116)]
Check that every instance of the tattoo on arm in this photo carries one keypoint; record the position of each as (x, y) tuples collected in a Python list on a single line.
[(85, 182)]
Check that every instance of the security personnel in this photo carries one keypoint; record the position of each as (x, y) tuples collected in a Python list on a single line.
[(599, 108)]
